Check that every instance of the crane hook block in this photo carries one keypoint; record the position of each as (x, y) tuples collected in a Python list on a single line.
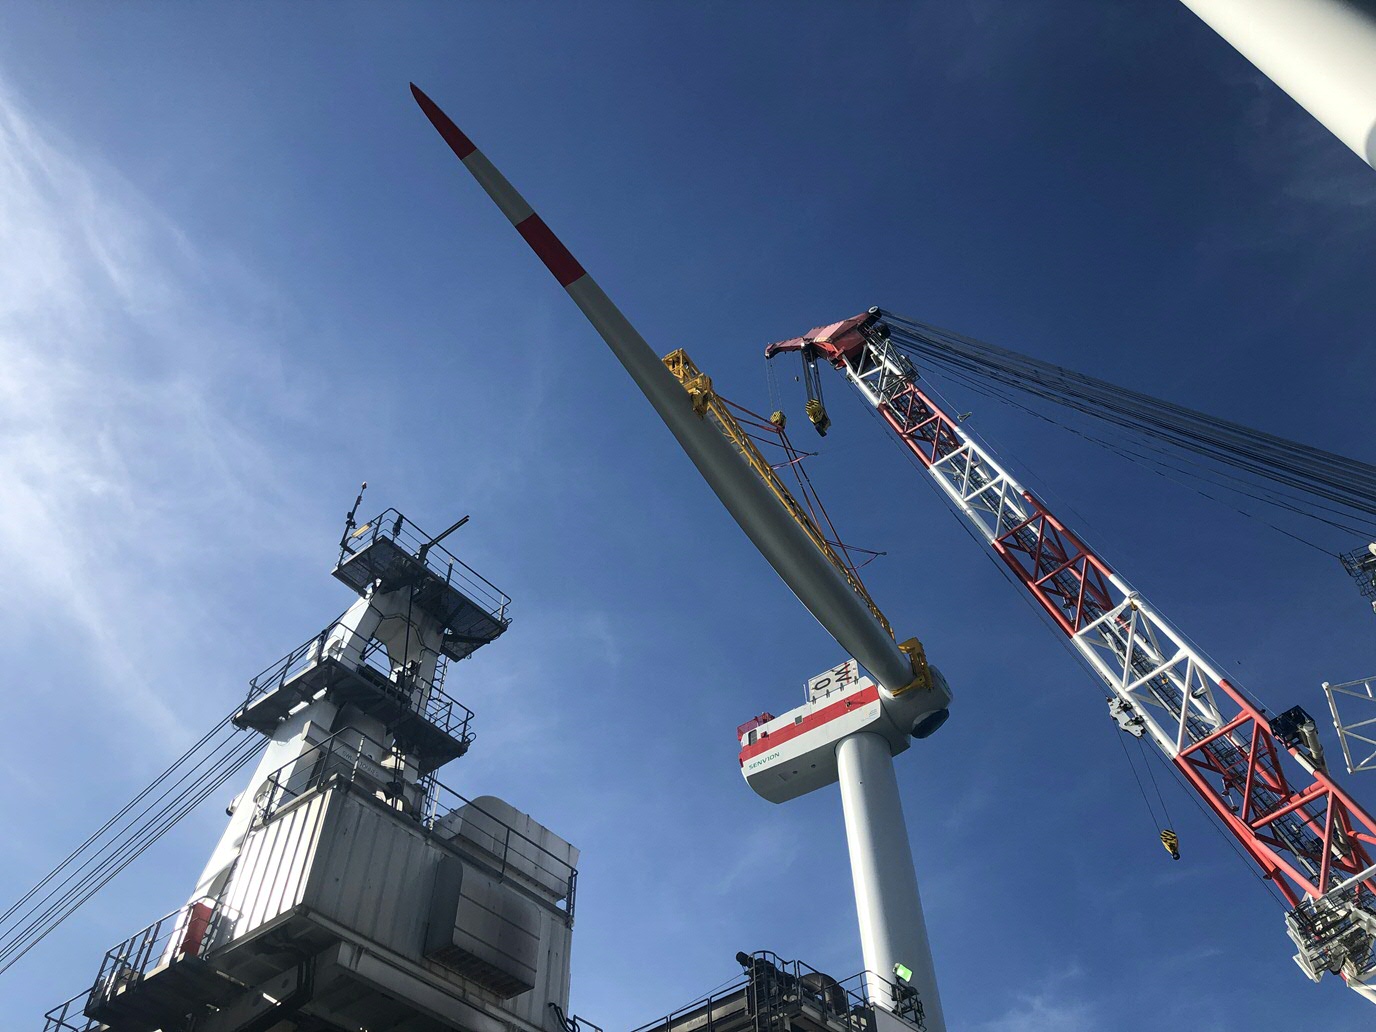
[(779, 419), (817, 412), (1171, 841)]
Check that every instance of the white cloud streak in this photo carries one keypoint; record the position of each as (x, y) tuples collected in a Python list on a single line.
[(120, 458), (1045, 1012)]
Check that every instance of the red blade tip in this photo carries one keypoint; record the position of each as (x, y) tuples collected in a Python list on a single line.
[(460, 144)]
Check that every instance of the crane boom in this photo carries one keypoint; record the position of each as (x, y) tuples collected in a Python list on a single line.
[(1304, 832)]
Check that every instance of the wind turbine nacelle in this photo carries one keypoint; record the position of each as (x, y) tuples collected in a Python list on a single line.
[(788, 756)]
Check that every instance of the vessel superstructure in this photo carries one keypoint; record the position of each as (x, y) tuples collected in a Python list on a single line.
[(352, 889)]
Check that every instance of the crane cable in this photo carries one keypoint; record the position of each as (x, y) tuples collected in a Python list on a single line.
[(199, 772), (1163, 463), (1312, 478)]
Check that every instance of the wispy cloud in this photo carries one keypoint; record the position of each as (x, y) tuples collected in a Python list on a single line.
[(1045, 1012), (121, 455), (1054, 1007), (768, 847)]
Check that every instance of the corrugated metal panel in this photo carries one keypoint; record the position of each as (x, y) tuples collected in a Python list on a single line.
[(552, 972), (271, 874), (374, 872)]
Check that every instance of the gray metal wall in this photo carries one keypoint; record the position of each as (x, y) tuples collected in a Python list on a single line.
[(352, 861)]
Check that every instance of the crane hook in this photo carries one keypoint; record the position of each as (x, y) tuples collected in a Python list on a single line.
[(1171, 841)]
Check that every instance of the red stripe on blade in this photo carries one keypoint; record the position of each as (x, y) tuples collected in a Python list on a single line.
[(453, 135), (551, 250)]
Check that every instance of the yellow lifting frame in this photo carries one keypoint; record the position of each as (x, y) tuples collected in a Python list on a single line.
[(707, 403)]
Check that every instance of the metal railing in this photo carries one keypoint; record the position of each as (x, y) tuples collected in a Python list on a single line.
[(776, 989), (71, 1016), (355, 759), (188, 932), (708, 1003), (511, 852), (779, 986), (425, 697), (436, 558), (572, 1022), (347, 755), (896, 997)]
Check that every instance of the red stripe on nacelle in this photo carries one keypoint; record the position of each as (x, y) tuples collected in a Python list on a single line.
[(453, 135), (551, 250), (811, 722)]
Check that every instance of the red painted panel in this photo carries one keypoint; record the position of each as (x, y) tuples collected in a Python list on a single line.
[(460, 144), (551, 250), (811, 722)]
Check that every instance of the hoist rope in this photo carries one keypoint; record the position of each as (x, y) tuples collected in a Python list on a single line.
[(199, 772), (769, 433), (1158, 822), (1308, 474), (1159, 458)]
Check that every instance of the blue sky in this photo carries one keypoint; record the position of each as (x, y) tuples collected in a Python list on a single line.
[(239, 273)]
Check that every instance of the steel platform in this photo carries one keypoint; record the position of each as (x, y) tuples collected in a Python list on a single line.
[(437, 583), (372, 692)]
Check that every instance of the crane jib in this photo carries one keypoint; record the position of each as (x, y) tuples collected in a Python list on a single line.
[(1306, 834)]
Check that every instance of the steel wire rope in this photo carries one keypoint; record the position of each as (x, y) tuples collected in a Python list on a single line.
[(160, 825), (1231, 437), (1049, 492), (1087, 535), (1067, 644), (811, 496), (795, 457), (1212, 821), (154, 828), (7, 933), (211, 771), (812, 499), (105, 846), (151, 825), (1135, 777), (1313, 471), (128, 856), (1151, 774), (1083, 664), (109, 823), (1157, 457), (1235, 483)]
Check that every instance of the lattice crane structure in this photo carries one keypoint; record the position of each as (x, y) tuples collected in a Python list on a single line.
[(1261, 779)]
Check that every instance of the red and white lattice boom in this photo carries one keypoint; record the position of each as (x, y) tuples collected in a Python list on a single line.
[(1305, 833)]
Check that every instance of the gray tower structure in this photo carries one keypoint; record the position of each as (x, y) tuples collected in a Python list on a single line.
[(352, 890)]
